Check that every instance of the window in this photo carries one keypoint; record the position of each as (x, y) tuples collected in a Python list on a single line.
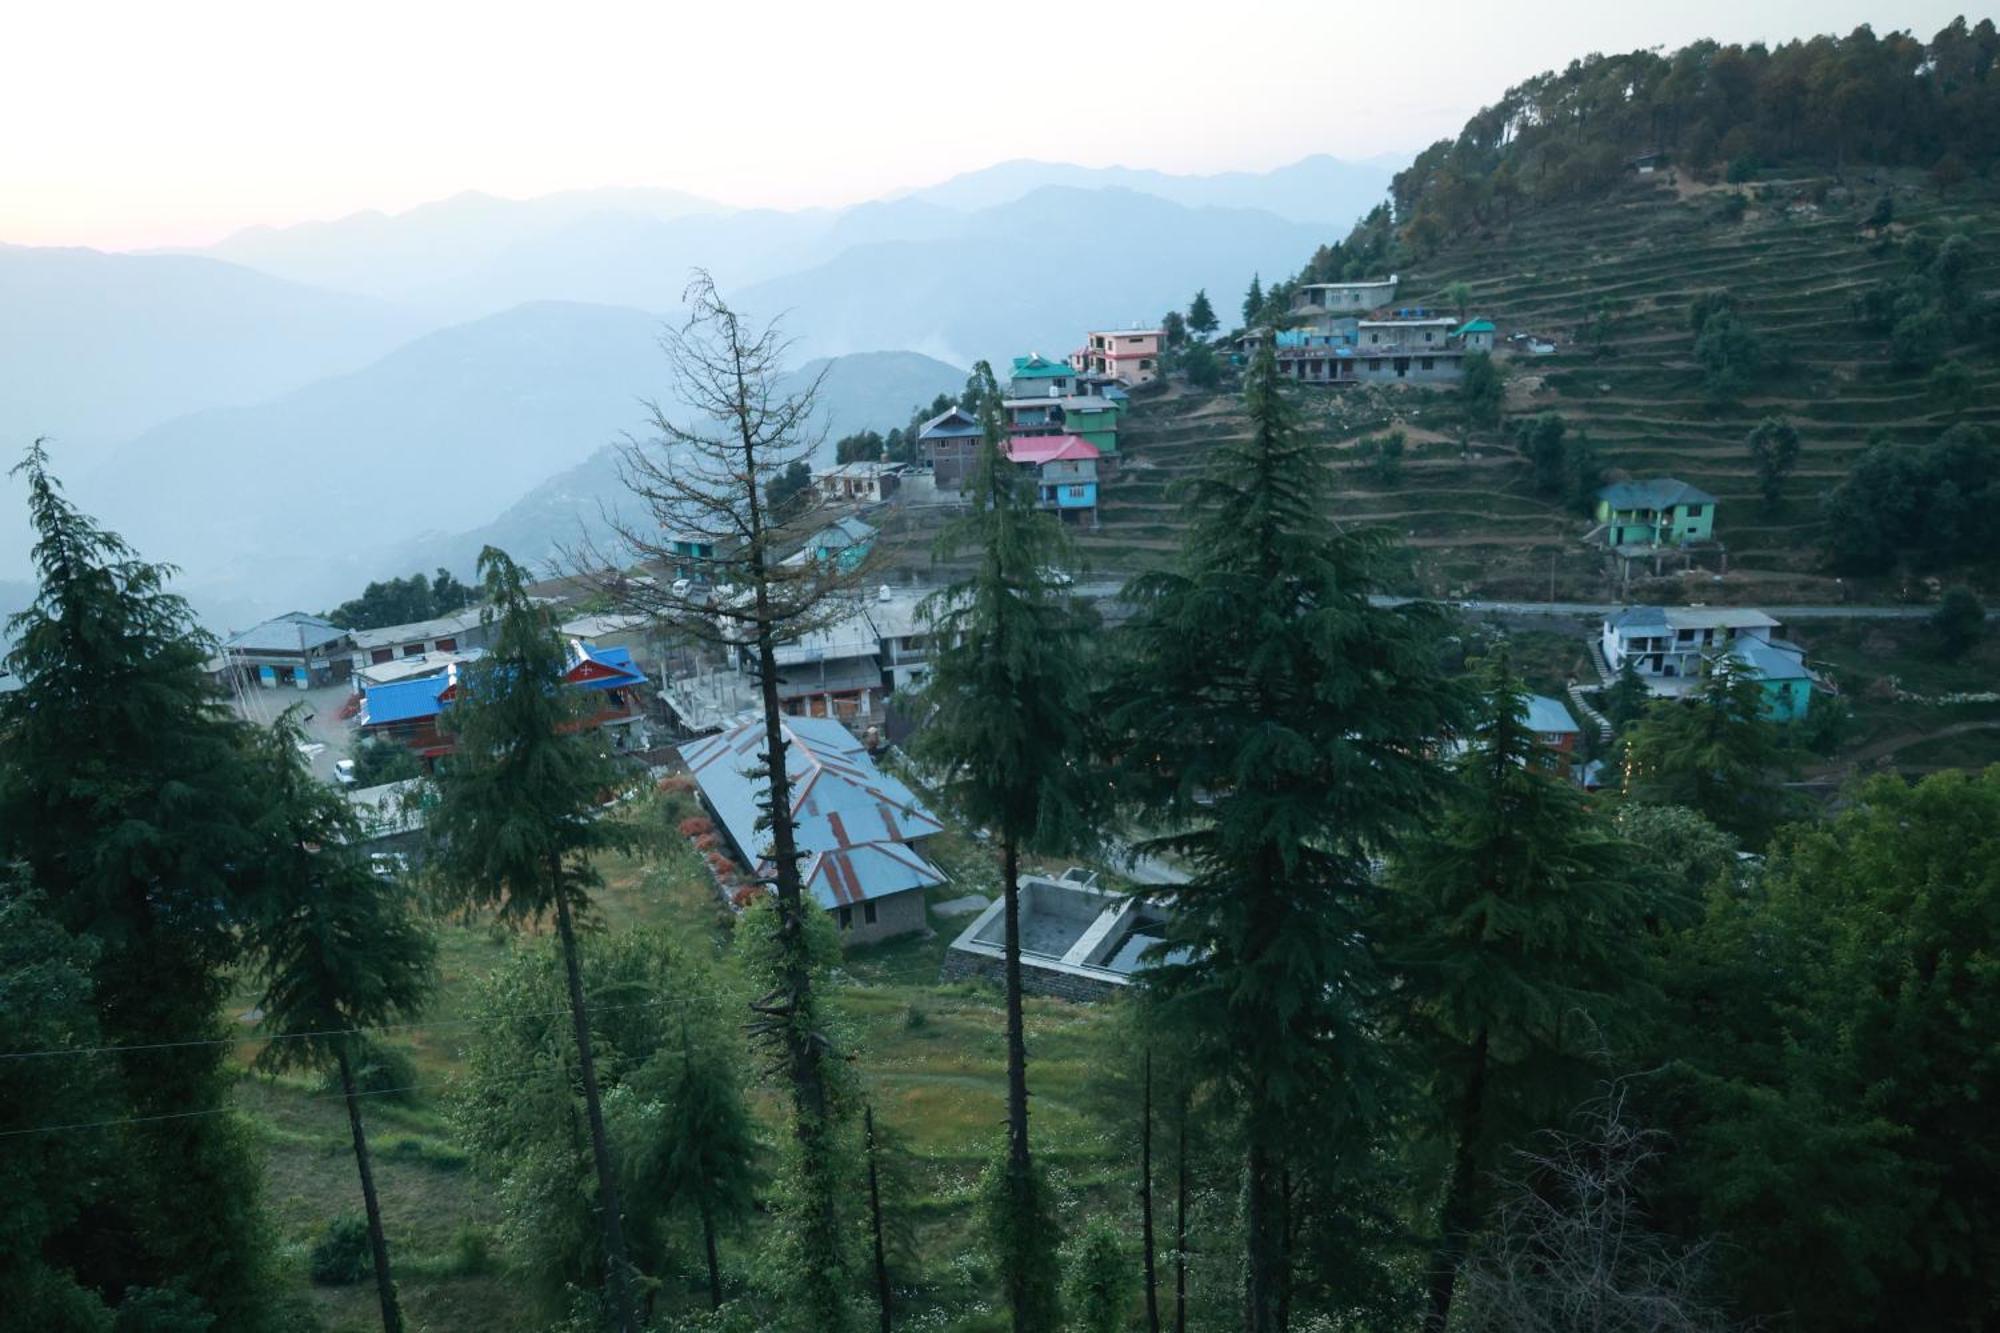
[(380, 655), (447, 645), (1374, 363), (1694, 511), (413, 650), (1429, 362), (846, 918), (868, 912)]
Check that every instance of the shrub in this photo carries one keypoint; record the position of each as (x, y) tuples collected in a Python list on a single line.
[(471, 1251), (386, 1072), (696, 825), (340, 1255)]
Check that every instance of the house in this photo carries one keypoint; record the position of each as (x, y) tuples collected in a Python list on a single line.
[(688, 556), (1065, 470), (1552, 724), (859, 482), (834, 670), (1315, 302), (1669, 647), (1091, 416), (1130, 356), (294, 649), (845, 542), (1035, 376), (1660, 511), (1078, 941), (1387, 346), (1781, 672), (860, 828), (408, 712), (391, 816), (459, 631), (400, 669), (950, 442)]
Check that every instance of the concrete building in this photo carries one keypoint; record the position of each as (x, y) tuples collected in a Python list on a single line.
[(1781, 673), (1655, 512), (1078, 942), (858, 482), (1035, 376), (295, 650), (1393, 346), (949, 442), (1065, 472), (860, 828), (409, 712), (1130, 356), (1090, 416), (456, 632), (1316, 302), (1669, 647)]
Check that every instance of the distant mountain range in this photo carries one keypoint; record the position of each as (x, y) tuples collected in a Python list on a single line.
[(297, 409)]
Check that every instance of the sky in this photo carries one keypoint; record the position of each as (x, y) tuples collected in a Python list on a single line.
[(145, 124)]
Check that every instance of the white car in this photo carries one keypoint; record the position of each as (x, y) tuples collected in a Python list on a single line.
[(343, 772)]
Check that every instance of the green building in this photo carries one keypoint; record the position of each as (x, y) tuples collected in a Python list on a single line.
[(1780, 671), (1657, 512)]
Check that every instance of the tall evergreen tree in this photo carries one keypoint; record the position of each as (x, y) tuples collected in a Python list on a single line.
[(1007, 721), (1713, 752), (338, 949), (1201, 315), (516, 823), (1513, 933), (709, 482), (125, 792), (1253, 301), (1281, 722)]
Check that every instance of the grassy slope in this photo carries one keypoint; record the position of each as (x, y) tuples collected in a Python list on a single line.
[(931, 1058)]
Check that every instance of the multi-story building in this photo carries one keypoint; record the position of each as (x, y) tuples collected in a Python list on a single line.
[(1318, 301), (950, 441), (1660, 511), (1065, 472), (1131, 356), (1035, 376), (1670, 647), (295, 649), (1092, 417)]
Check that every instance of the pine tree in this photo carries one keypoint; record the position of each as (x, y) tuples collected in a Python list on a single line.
[(1512, 930), (1007, 721), (1201, 315), (710, 481), (1280, 721), (125, 793), (517, 820), (338, 949), (1253, 301), (1713, 752)]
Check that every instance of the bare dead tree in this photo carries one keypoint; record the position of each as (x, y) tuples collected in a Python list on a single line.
[(705, 496), (1569, 1247)]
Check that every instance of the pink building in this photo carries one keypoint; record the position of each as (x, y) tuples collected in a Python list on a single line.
[(1132, 355)]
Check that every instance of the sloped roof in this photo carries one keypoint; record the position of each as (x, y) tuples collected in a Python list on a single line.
[(1653, 493), (841, 802), (603, 668), (955, 424), (844, 531), (1050, 448), (406, 700), (869, 870), (1477, 326), (293, 632), (1037, 366), (388, 635), (1548, 716), (1768, 661)]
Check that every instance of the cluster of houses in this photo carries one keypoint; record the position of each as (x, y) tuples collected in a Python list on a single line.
[(1354, 333)]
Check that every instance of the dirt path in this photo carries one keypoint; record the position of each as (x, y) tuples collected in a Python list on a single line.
[(1882, 749)]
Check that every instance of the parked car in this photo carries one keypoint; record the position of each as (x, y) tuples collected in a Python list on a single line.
[(343, 772)]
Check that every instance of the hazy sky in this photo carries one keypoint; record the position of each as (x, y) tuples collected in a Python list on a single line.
[(147, 123)]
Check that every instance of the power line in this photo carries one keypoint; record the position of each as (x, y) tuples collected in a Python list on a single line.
[(190, 1115), (323, 1032)]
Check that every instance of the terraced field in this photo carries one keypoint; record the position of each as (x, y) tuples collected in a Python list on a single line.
[(1472, 521)]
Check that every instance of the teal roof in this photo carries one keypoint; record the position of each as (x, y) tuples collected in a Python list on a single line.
[(1040, 367), (1659, 493), (1478, 326)]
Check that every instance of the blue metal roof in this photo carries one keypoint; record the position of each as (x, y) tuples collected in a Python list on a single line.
[(841, 802), (1548, 716), (953, 424), (617, 659), (405, 700), (1767, 661)]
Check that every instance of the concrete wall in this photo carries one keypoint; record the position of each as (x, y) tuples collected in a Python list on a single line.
[(895, 914), (1035, 980)]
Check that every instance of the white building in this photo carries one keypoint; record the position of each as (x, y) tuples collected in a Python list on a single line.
[(1668, 646), (445, 634)]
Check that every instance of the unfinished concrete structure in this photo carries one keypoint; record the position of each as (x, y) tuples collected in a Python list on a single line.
[(1078, 941)]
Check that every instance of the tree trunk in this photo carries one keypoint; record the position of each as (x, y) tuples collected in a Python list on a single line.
[(1461, 1213), (1146, 1197), (593, 1105), (378, 1244), (1284, 1249), (1180, 1221), (714, 1267), (875, 1219), (1019, 1166), (1264, 1242)]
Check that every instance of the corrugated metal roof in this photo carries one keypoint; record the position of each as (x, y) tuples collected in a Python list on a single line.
[(950, 425), (293, 632), (840, 800), (389, 635), (1653, 493), (871, 870), (618, 661), (406, 700), (1050, 448), (1549, 716), (1770, 662)]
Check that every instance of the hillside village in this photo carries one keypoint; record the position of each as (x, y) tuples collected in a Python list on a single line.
[(1466, 799)]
